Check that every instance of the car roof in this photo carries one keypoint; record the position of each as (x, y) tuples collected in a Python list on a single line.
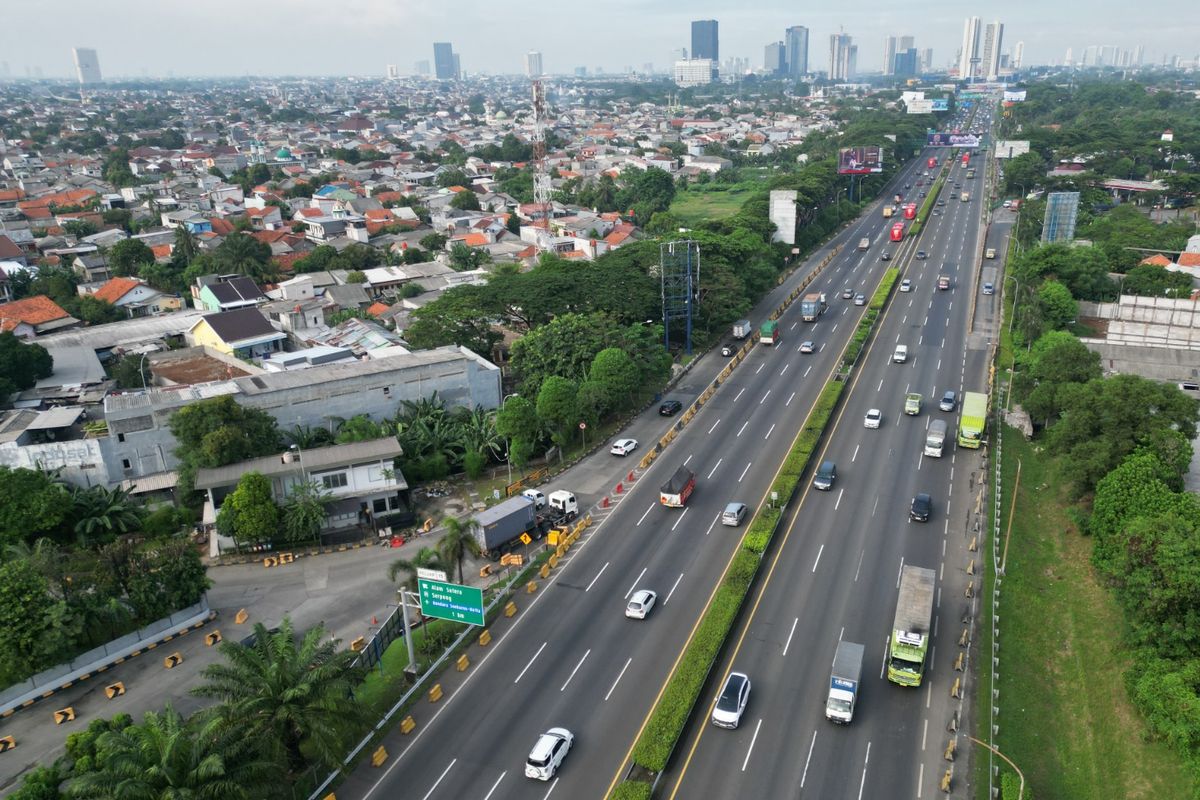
[(541, 748), (641, 596), (922, 497), (734, 505)]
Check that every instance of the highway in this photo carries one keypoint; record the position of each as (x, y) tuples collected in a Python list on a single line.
[(572, 659), (836, 572)]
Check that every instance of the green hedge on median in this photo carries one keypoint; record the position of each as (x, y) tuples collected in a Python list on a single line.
[(859, 339), (632, 790)]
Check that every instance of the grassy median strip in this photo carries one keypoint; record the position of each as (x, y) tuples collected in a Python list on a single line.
[(666, 723), (930, 199), (859, 339)]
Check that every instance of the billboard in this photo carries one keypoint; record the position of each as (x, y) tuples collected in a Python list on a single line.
[(859, 160), (908, 97), (1011, 148), (940, 104), (1015, 97), (920, 106), (951, 140)]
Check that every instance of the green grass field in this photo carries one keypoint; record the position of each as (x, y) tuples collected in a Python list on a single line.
[(1064, 716), (693, 206)]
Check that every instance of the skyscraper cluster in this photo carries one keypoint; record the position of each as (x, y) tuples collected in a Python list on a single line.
[(980, 53), (446, 66), (900, 57), (843, 57), (789, 56)]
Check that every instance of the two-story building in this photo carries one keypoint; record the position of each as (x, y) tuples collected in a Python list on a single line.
[(243, 333)]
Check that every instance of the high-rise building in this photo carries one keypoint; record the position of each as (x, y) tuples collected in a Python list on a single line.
[(457, 67), (904, 43), (993, 36), (926, 63), (704, 40), (444, 66), (775, 58), (840, 66), (1061, 211), (1018, 55), (905, 65), (968, 57), (421, 67), (533, 63), (1069, 58), (1139, 53), (889, 55), (393, 72), (87, 66), (694, 72), (796, 44)]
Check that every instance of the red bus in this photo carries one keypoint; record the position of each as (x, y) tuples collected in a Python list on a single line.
[(898, 232), (966, 159), (910, 211), (932, 162)]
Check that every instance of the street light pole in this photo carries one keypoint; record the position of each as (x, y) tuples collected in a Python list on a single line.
[(1007, 760), (508, 442)]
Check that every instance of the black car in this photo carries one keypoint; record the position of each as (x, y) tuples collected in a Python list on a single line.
[(921, 507), (886, 256), (922, 255), (729, 348), (670, 408)]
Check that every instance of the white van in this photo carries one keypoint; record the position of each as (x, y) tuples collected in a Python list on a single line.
[(901, 354), (733, 514)]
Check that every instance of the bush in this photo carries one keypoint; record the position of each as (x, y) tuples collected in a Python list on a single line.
[(631, 790), (473, 464)]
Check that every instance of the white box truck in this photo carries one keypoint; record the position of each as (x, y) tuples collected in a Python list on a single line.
[(843, 682), (935, 438)]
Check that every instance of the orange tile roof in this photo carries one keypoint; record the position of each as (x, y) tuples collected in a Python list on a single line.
[(162, 250), (311, 212), (528, 252), (8, 195), (68, 198), (115, 289), (37, 212), (1189, 260), (1157, 260), (222, 227), (375, 309), (32, 311), (268, 237), (475, 240), (616, 237), (457, 189)]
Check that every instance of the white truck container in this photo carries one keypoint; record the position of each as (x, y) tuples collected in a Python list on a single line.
[(844, 681), (742, 328), (935, 438), (864, 243)]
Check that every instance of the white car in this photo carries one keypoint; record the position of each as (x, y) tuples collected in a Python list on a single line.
[(727, 713), (623, 447), (807, 347), (548, 753), (873, 418), (640, 604), (906, 285)]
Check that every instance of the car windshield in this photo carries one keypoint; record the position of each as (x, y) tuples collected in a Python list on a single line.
[(729, 697), (838, 704)]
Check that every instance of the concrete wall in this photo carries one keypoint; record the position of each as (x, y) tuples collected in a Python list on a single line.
[(1157, 363)]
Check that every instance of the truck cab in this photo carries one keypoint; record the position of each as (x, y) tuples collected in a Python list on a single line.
[(564, 503)]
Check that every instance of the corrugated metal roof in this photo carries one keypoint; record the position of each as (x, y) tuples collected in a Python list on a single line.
[(314, 460)]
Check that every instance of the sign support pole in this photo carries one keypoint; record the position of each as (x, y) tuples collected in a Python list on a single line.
[(408, 637)]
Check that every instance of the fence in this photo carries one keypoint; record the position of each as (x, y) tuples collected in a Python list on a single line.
[(58, 677)]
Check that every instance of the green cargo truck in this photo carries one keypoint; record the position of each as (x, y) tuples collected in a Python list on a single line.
[(911, 629), (769, 332), (973, 420)]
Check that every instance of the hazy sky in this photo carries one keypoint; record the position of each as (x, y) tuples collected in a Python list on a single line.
[(323, 37)]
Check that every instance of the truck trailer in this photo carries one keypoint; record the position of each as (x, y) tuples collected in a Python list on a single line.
[(742, 328), (498, 529), (843, 682), (909, 643), (676, 491), (768, 332), (812, 306)]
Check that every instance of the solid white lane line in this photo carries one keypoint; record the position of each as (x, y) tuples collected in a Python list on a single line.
[(753, 739), (768, 436), (859, 569), (785, 366), (681, 516), (880, 389), (643, 519), (715, 424), (789, 400), (636, 581), (807, 371), (924, 733), (439, 780), (744, 424), (808, 760), (598, 574), (739, 394), (748, 463), (788, 643), (760, 368), (577, 666), (494, 785), (920, 779), (834, 329), (855, 453), (618, 680), (689, 458), (551, 789), (818, 559), (713, 523), (839, 500), (764, 397), (714, 469), (673, 586)]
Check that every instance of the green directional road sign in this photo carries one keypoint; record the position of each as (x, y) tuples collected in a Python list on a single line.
[(451, 601)]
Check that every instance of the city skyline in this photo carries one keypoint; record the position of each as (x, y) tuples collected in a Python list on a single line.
[(132, 44)]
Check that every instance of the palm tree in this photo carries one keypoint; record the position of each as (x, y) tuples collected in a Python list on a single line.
[(459, 542), (306, 437), (104, 513), (477, 431), (361, 428), (166, 758), (294, 698), (424, 408), (304, 511), (426, 558)]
